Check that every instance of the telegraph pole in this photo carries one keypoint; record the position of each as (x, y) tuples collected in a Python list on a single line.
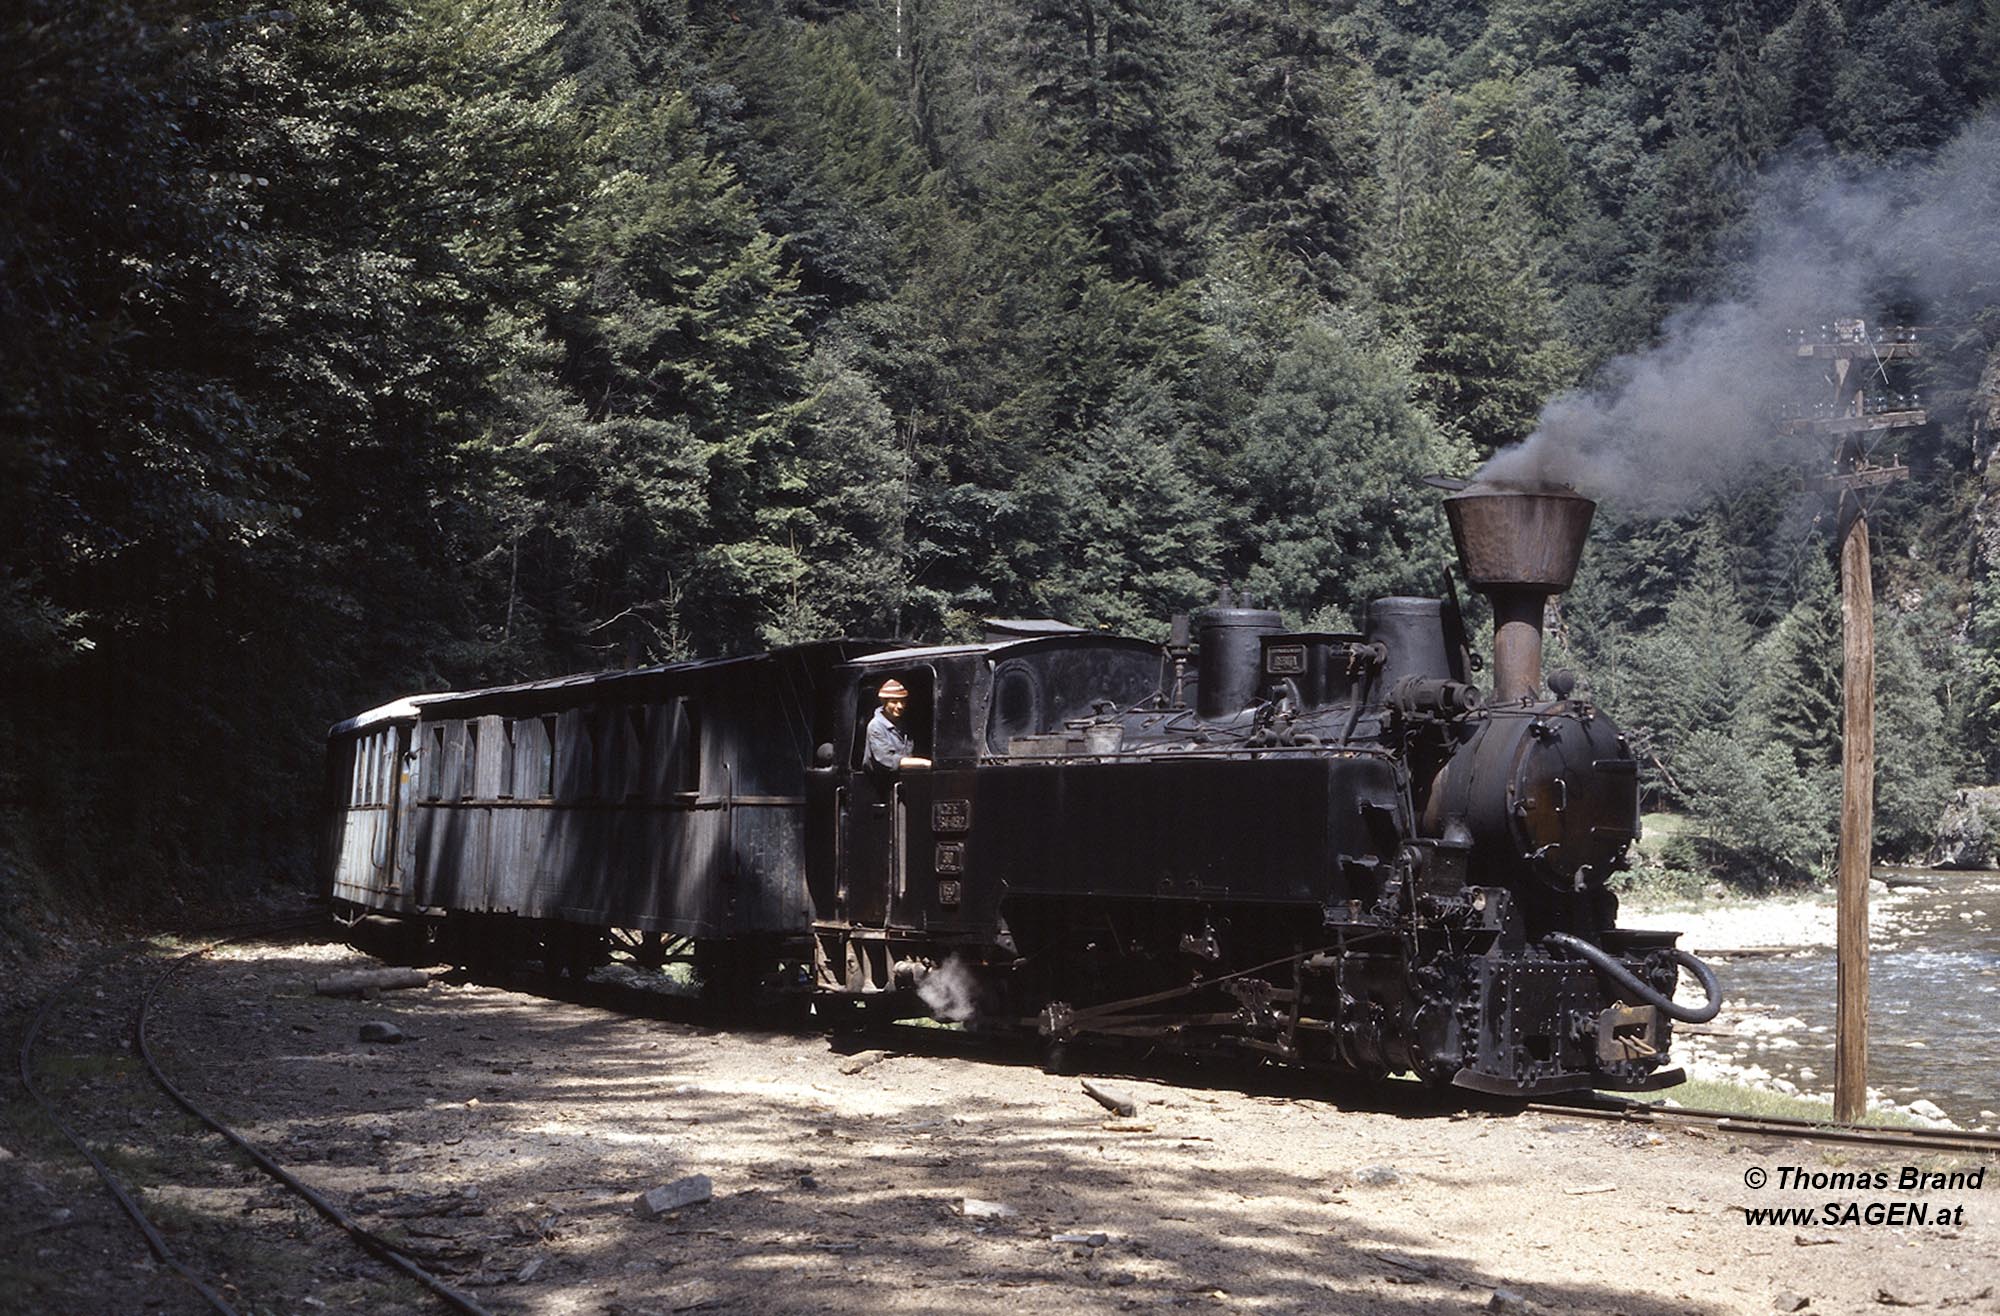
[(1857, 419)]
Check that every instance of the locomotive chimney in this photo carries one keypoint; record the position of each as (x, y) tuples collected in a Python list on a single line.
[(1517, 547)]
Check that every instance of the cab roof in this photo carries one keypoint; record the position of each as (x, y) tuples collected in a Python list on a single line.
[(1064, 640)]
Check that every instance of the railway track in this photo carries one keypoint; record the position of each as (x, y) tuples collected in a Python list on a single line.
[(1957, 1141), (88, 1062), (1017, 1050)]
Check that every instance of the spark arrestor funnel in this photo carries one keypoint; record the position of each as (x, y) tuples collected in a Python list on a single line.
[(1517, 547)]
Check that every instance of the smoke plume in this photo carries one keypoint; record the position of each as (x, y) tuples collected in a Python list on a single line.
[(1698, 411)]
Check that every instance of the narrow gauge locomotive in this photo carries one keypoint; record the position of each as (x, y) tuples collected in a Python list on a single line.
[(1328, 849)]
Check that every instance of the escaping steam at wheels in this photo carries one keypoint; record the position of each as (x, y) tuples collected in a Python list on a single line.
[(1329, 850)]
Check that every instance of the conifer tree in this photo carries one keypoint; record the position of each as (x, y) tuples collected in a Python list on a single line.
[(1689, 674), (1139, 541), (1798, 687), (1913, 767), (1098, 71), (1295, 150), (1334, 453), (1455, 274)]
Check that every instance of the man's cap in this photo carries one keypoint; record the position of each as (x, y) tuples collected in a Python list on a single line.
[(892, 689)]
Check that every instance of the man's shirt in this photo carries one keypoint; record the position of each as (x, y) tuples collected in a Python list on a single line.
[(888, 746)]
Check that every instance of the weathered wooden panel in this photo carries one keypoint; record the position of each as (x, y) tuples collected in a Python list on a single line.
[(667, 799)]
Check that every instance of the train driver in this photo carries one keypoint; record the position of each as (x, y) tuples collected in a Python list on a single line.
[(889, 745)]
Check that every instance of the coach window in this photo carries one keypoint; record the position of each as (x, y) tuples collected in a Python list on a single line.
[(677, 743), (468, 770), (433, 763), (355, 778), (597, 731), (631, 750), (545, 763), (581, 755), (388, 767)]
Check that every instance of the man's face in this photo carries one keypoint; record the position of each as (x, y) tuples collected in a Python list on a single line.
[(894, 708)]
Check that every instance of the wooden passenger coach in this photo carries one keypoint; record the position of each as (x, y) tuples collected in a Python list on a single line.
[(666, 800)]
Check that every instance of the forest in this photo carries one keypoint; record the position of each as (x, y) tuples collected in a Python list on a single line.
[(362, 347)]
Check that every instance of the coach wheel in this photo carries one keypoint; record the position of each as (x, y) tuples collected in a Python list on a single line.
[(566, 949), (727, 973)]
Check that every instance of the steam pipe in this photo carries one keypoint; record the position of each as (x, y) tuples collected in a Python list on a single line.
[(1624, 977)]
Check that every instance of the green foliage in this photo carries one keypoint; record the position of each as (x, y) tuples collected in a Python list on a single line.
[(1797, 696), (1980, 668), (1689, 674), (1294, 149), (356, 348), (1913, 766), (1333, 454), (1753, 817), (1726, 724), (1140, 543), (1098, 71), (1457, 278), (848, 492)]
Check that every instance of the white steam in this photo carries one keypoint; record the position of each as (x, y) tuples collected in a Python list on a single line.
[(951, 991), (1698, 411)]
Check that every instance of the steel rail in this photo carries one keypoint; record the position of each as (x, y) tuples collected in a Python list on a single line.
[(154, 1242), (372, 1243), (1775, 1126)]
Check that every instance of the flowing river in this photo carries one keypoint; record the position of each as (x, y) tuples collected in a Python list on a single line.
[(1934, 991)]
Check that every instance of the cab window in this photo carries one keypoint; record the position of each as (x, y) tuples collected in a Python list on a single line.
[(917, 710)]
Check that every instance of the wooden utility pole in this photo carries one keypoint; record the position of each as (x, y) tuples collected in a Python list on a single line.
[(1857, 813), (1854, 421)]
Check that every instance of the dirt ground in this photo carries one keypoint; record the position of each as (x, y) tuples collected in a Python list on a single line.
[(510, 1135)]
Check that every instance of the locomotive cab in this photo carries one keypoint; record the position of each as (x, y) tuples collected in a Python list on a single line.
[(895, 865)]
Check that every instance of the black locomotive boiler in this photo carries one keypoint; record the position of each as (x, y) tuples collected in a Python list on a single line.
[(1330, 850)]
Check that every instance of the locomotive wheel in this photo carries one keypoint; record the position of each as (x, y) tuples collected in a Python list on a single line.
[(838, 1014)]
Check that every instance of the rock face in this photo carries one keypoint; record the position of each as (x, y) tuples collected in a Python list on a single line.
[(1968, 836)]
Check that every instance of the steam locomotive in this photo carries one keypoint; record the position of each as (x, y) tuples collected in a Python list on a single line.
[(1328, 850)]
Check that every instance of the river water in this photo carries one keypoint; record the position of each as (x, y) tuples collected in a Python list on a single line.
[(1934, 1000)]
